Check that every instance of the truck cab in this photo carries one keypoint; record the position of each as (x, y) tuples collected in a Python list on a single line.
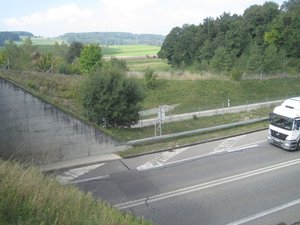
[(284, 127)]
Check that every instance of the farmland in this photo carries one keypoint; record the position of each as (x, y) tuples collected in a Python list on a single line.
[(129, 50)]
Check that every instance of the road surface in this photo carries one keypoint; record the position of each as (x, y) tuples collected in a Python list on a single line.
[(240, 180)]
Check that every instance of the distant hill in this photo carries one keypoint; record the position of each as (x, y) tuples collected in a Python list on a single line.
[(13, 36), (24, 33), (114, 38), (8, 36)]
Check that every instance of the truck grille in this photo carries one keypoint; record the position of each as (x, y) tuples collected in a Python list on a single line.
[(278, 135)]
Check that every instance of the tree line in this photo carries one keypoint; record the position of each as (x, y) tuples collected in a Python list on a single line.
[(265, 38), (12, 36), (114, 38)]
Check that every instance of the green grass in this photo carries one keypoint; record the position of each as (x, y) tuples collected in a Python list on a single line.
[(140, 65), (195, 95), (197, 123), (129, 50), (28, 197), (44, 41)]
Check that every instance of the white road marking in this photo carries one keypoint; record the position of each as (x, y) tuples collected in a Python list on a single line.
[(90, 179), (73, 173), (207, 185), (159, 161), (228, 143), (267, 212), (155, 164)]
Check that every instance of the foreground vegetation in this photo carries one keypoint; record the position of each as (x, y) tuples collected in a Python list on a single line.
[(27, 197)]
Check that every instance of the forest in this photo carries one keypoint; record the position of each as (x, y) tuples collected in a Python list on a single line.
[(264, 39), (12, 36), (4, 36)]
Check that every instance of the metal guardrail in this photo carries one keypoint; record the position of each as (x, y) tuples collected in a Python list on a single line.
[(194, 132), (210, 112)]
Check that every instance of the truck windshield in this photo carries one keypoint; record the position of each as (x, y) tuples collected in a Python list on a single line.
[(281, 121)]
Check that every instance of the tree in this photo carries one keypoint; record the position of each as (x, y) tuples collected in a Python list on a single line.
[(44, 62), (90, 59), (221, 61), (3, 60), (117, 64), (257, 19), (274, 61), (60, 50), (8, 36), (236, 74), (15, 55), (28, 50), (150, 78), (168, 49), (255, 59), (74, 51), (290, 31), (112, 99)]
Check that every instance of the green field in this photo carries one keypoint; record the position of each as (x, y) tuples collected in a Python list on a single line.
[(140, 65), (130, 50), (46, 41), (138, 57)]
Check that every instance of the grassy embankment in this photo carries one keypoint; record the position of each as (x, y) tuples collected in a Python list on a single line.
[(28, 197), (191, 93)]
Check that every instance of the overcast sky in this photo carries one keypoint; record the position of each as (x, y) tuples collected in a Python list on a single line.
[(52, 18)]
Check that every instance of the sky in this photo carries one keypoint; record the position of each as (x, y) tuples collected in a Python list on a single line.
[(51, 18)]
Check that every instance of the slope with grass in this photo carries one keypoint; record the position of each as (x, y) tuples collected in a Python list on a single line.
[(191, 95), (28, 197), (208, 94)]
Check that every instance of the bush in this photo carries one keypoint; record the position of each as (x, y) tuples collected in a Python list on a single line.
[(236, 74), (150, 78), (112, 99), (90, 59)]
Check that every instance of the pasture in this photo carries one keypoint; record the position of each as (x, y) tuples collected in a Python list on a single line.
[(129, 50)]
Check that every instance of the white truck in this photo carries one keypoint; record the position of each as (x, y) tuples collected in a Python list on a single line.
[(284, 127)]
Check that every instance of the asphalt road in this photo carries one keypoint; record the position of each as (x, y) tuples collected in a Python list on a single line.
[(241, 180)]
